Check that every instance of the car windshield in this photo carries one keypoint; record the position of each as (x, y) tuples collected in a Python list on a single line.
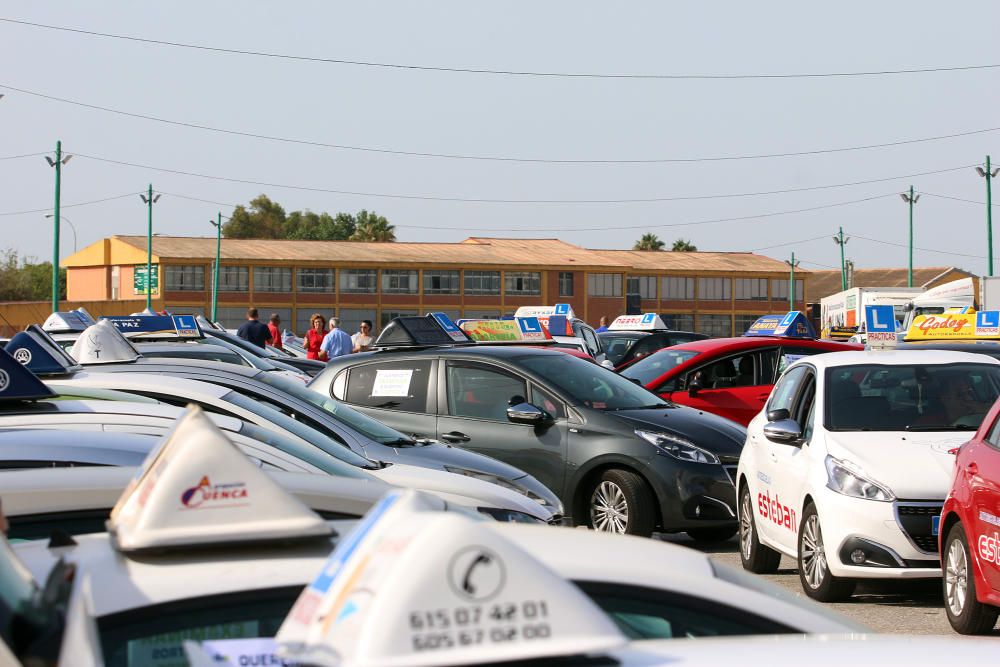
[(307, 433), (349, 417), (655, 365), (589, 384), (217, 354), (617, 344), (917, 397), (302, 451)]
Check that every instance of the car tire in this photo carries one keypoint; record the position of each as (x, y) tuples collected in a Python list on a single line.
[(754, 556), (719, 534), (621, 502), (967, 615), (814, 572)]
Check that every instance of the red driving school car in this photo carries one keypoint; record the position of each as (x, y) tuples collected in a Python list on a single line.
[(731, 377)]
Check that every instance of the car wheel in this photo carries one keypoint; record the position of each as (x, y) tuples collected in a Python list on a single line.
[(814, 572), (755, 556), (621, 502), (967, 615), (719, 534)]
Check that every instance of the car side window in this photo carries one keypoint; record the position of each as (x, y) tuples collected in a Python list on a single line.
[(481, 391), (394, 385), (591, 341), (802, 412), (737, 371), (546, 401), (767, 363), (785, 392), (645, 346), (993, 437), (790, 354)]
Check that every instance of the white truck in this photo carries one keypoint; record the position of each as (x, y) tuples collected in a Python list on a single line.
[(989, 293), (846, 310), (954, 296)]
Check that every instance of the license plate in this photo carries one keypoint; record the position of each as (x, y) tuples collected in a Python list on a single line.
[(935, 523)]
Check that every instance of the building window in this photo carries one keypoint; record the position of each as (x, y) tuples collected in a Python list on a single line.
[(604, 284), (231, 318), (399, 281), (642, 286), (234, 279), (314, 280), (303, 315), (441, 282), (565, 283), (389, 315), (522, 283), (779, 290), (350, 319), (713, 289), (186, 278), (743, 322), (751, 289), (477, 314), (482, 282), (678, 322), (358, 281), (677, 289), (272, 279), (716, 326)]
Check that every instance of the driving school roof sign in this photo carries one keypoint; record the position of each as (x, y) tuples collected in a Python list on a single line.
[(790, 325), (984, 324), (644, 322)]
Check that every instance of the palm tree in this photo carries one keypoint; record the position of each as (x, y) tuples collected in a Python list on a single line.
[(680, 245), (373, 227), (649, 241)]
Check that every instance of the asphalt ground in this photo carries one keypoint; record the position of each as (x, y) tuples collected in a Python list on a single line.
[(903, 607)]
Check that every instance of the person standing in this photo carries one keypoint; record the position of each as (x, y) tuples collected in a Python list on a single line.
[(314, 337), (604, 324), (338, 342), (363, 339), (274, 326), (253, 330)]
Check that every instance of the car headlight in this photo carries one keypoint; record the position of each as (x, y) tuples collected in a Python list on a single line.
[(508, 516), (844, 477), (500, 481), (678, 447)]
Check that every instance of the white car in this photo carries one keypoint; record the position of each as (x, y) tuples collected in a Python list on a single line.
[(847, 467)]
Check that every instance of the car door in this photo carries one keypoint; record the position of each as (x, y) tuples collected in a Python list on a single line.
[(397, 392), (473, 397), (735, 386), (983, 478)]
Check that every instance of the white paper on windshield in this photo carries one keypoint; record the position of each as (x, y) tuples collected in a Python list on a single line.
[(392, 382), (258, 651), (167, 650)]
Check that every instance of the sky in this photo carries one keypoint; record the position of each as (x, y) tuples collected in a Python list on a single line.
[(580, 144)]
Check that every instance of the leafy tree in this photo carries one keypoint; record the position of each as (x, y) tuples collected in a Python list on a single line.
[(649, 241), (264, 219), (680, 245), (25, 280), (373, 227)]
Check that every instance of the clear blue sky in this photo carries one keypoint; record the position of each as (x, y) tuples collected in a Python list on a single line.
[(534, 117)]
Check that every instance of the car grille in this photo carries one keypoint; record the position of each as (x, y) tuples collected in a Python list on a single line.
[(914, 518), (731, 471)]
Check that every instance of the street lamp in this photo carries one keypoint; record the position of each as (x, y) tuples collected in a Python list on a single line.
[(841, 241), (911, 200), (149, 200), (791, 281), (988, 175), (71, 226), (58, 164)]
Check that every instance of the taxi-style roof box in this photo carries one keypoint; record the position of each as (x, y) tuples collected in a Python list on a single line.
[(431, 330), (643, 322), (792, 324), (981, 325), (36, 351), (103, 343), (17, 383), (158, 327), (72, 321)]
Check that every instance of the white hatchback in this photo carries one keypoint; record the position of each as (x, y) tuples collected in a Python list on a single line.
[(848, 465)]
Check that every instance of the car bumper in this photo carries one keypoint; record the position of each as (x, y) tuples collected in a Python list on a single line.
[(875, 531), (692, 495)]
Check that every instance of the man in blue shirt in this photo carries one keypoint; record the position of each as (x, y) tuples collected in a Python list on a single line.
[(254, 330), (338, 342)]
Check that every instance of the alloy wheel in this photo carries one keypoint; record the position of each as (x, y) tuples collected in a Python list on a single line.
[(746, 526), (956, 578), (813, 555), (608, 508)]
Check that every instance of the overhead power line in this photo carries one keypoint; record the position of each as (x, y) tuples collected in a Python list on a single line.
[(18, 157), (82, 203), (783, 245), (967, 201), (485, 200), (494, 158), (503, 72), (903, 245)]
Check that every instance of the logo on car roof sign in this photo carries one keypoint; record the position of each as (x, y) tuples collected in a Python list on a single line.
[(206, 495), (988, 323), (4, 380), (23, 356)]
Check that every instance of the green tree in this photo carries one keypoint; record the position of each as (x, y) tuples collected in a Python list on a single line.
[(373, 227), (680, 245), (649, 241), (26, 280), (264, 219)]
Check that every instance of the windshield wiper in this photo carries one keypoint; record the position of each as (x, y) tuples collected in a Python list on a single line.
[(944, 427)]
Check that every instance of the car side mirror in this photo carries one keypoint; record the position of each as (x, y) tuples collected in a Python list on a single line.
[(783, 431), (777, 415), (694, 384), (608, 364), (526, 413)]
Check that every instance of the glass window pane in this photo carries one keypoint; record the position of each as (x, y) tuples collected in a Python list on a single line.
[(715, 325), (272, 279), (185, 278), (314, 280), (477, 391), (358, 281), (441, 282), (678, 321), (482, 282), (399, 281), (678, 289), (350, 319), (523, 283), (389, 315), (393, 385), (565, 283), (234, 279)]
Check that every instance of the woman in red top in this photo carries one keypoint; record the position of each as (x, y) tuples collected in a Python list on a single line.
[(314, 337)]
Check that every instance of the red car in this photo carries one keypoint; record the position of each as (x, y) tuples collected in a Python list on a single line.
[(969, 538), (731, 377)]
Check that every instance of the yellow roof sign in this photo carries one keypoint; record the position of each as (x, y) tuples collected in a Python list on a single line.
[(956, 326)]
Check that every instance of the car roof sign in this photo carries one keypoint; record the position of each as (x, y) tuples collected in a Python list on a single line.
[(69, 321), (521, 329), (158, 327), (41, 355), (558, 325), (981, 325), (408, 561), (197, 488), (17, 383), (450, 328), (414, 331), (792, 324), (102, 343), (643, 322), (563, 309)]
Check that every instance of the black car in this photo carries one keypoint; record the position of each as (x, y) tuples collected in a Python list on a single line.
[(623, 347), (620, 458)]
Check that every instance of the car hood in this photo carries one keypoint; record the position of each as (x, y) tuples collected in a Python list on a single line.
[(915, 466), (712, 432)]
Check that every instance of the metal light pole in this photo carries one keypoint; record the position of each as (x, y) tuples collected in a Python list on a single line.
[(218, 253), (71, 226), (911, 200), (58, 164), (841, 241), (791, 282), (149, 199), (988, 175)]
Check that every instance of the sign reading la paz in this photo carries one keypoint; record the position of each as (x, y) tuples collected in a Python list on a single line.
[(880, 325), (140, 279)]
